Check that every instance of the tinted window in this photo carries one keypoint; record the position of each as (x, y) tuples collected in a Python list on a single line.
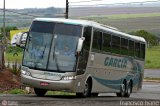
[(115, 44), (37, 50), (67, 29), (137, 49), (42, 27), (106, 42), (124, 46), (87, 35), (131, 48), (97, 40), (142, 55)]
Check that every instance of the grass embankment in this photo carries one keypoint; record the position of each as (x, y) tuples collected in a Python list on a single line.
[(148, 78), (153, 58), (21, 91), (14, 91), (12, 57), (121, 16), (58, 93)]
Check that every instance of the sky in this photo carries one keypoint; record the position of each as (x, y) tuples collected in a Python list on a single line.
[(20, 4)]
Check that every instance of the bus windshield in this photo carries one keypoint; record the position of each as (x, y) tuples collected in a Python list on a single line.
[(52, 46)]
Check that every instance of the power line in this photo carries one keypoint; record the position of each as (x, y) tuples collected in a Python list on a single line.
[(85, 1), (114, 3)]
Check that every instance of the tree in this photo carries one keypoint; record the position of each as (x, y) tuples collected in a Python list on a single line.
[(3, 44), (8, 29), (150, 38)]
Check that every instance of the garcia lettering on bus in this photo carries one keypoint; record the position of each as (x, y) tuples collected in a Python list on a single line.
[(115, 62)]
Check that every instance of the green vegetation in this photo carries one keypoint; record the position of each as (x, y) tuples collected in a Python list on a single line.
[(21, 91), (122, 16), (130, 22), (150, 38), (11, 49), (14, 91), (153, 57), (12, 57), (148, 78), (59, 93), (26, 16), (8, 28), (13, 54)]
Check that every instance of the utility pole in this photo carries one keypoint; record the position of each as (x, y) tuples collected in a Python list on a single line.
[(4, 19), (67, 6), (2, 62)]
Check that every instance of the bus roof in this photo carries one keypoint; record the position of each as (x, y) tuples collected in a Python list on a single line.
[(93, 24)]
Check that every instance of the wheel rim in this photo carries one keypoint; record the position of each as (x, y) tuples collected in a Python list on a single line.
[(129, 89), (123, 90), (86, 89)]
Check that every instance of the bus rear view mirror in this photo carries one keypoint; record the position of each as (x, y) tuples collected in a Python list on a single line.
[(21, 39), (80, 44)]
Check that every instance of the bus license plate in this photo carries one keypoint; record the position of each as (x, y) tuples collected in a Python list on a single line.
[(44, 83)]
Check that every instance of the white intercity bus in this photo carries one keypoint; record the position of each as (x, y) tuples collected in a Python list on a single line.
[(83, 57)]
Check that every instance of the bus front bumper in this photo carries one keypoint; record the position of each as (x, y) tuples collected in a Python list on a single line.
[(61, 85)]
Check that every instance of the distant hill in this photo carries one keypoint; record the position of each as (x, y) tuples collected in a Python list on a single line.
[(90, 11), (23, 17), (126, 19), (128, 24), (43, 12), (147, 4)]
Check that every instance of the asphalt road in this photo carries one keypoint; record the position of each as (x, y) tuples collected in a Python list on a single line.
[(148, 96), (152, 73)]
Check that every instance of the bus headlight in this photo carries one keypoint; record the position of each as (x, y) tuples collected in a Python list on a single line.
[(69, 78), (26, 73)]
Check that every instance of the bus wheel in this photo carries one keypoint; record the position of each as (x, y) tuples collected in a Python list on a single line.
[(40, 92), (122, 91), (129, 90), (87, 90), (94, 94)]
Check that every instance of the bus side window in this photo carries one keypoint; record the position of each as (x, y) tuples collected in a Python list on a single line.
[(115, 44), (87, 34), (124, 46), (137, 49), (106, 42), (97, 41), (142, 54), (131, 48)]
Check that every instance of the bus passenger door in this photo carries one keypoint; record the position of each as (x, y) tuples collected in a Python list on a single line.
[(83, 55)]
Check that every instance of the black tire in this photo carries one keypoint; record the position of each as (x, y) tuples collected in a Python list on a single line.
[(87, 90), (79, 95), (122, 91), (40, 92), (94, 94), (128, 90)]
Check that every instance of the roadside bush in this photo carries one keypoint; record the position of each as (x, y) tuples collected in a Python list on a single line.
[(8, 29), (149, 37), (11, 49), (15, 91), (14, 67)]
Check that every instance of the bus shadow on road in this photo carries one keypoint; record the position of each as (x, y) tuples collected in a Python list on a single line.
[(75, 97)]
